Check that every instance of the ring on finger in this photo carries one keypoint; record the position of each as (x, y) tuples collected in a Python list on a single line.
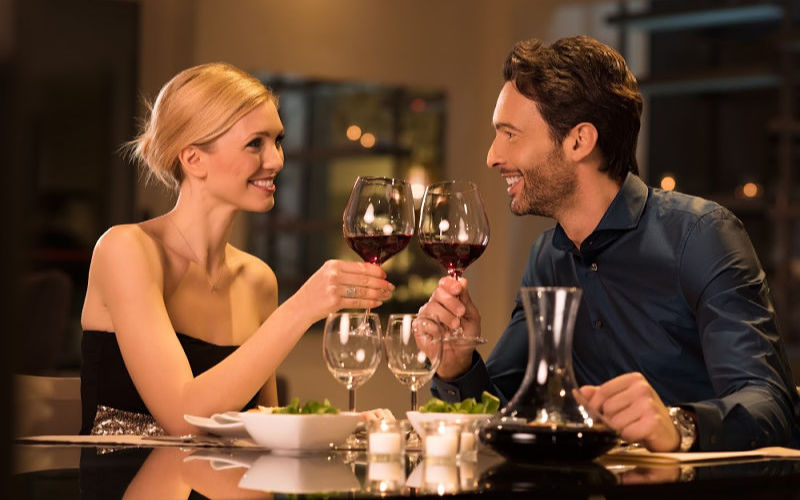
[(350, 292)]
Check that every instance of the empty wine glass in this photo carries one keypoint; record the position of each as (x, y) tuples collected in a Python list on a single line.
[(413, 352), (352, 353), (454, 230)]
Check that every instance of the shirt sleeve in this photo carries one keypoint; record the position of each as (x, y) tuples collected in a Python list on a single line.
[(504, 370), (725, 285)]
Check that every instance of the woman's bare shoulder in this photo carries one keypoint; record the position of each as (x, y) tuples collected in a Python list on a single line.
[(126, 243), (252, 268)]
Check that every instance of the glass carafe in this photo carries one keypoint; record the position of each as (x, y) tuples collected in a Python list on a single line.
[(544, 420)]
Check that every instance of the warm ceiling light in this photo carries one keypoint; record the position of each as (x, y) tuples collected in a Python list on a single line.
[(668, 183), (353, 132), (750, 190), (367, 140)]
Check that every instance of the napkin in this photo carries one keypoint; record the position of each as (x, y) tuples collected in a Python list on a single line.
[(642, 455)]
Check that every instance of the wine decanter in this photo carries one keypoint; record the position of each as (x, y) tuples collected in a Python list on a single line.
[(544, 420)]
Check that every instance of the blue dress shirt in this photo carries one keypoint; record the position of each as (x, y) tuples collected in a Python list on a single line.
[(673, 289)]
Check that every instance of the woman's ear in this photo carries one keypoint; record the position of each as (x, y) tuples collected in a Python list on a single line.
[(191, 158), (580, 141)]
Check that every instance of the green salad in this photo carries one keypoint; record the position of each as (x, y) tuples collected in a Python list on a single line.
[(488, 404), (311, 407)]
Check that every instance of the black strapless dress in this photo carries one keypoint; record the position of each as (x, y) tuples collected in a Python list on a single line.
[(105, 380)]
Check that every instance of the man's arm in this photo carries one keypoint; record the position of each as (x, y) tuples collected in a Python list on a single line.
[(505, 367), (723, 282)]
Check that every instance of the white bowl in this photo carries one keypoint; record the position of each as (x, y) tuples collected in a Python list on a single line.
[(293, 432), (418, 418), (300, 475)]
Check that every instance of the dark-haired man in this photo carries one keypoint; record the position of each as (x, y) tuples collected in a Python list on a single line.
[(675, 341)]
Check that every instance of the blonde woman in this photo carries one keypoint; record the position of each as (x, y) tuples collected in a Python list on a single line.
[(176, 320)]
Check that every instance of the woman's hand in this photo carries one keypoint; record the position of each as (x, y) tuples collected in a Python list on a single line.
[(341, 284)]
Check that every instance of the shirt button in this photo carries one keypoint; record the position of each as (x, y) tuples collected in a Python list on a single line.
[(451, 392), (598, 323), (594, 266)]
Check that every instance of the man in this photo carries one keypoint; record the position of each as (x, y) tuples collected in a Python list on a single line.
[(675, 341)]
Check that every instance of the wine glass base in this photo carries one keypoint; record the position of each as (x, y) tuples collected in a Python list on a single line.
[(464, 341)]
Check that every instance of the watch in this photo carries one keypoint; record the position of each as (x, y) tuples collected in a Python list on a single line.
[(687, 429)]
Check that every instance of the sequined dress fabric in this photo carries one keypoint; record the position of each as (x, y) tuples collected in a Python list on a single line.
[(110, 402)]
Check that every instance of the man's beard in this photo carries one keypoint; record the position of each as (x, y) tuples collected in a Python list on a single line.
[(546, 186)]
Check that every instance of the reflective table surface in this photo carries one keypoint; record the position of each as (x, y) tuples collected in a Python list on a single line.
[(58, 471)]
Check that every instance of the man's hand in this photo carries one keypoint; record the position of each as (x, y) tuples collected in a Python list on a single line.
[(631, 406), (450, 303)]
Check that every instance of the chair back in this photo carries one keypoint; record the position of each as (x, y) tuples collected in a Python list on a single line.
[(46, 405)]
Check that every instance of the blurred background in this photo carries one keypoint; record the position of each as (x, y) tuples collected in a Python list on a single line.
[(368, 87)]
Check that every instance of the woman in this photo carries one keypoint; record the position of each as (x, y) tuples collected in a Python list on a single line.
[(170, 299)]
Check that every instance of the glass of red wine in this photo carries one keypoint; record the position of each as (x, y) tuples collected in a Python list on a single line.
[(378, 221), (454, 231)]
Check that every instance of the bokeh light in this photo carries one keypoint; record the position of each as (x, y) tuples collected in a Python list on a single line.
[(750, 190), (367, 140), (668, 183), (353, 132)]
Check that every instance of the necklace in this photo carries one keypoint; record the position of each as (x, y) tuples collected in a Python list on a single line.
[(211, 283)]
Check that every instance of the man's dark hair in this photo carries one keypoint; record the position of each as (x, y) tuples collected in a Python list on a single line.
[(579, 79)]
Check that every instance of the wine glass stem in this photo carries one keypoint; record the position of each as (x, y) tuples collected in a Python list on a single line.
[(364, 327), (352, 394), (413, 400), (456, 275)]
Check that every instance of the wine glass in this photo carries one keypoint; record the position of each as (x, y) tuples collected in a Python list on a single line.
[(378, 221), (413, 350), (454, 230), (352, 353)]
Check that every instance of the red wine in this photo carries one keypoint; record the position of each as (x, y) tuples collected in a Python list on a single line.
[(454, 257), (378, 248), (526, 443)]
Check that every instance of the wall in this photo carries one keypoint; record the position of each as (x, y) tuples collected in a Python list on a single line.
[(454, 45)]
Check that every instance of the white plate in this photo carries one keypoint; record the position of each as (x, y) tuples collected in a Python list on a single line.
[(228, 424), (293, 432), (418, 418)]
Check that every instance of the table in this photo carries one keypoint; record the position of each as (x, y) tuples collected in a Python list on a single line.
[(155, 472)]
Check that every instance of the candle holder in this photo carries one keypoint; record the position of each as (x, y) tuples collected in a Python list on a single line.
[(440, 439), (439, 476), (385, 440), (468, 440), (386, 474)]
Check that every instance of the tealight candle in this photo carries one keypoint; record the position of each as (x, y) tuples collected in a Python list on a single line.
[(384, 439), (441, 440), (440, 477), (391, 470), (466, 475), (384, 474), (467, 442)]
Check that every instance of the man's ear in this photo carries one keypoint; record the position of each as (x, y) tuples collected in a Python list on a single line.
[(191, 158), (580, 141)]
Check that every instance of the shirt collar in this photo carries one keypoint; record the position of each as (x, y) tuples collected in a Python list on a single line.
[(622, 215)]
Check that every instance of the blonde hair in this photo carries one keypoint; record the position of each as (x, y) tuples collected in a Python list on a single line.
[(195, 107)]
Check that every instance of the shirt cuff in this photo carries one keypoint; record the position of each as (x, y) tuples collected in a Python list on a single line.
[(709, 425), (469, 385)]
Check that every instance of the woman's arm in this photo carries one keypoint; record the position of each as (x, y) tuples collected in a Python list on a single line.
[(126, 268)]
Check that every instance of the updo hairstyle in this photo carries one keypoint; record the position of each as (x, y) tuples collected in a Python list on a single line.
[(195, 107)]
